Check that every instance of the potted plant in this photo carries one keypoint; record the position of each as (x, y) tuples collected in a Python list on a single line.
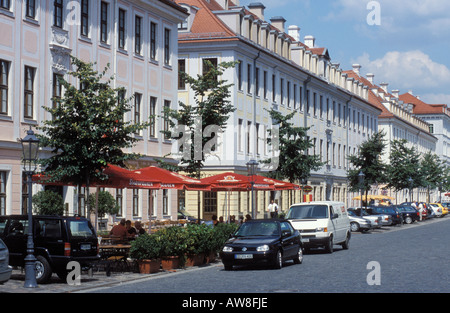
[(197, 238), (221, 233), (174, 246), (146, 249)]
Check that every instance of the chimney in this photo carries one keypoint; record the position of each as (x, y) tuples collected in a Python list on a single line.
[(370, 77), (294, 32), (310, 41), (395, 93), (356, 68), (257, 8), (278, 22), (384, 87)]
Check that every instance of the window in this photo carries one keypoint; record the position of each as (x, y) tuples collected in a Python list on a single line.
[(288, 94), (183, 25), (240, 147), (137, 108), (152, 117), (240, 75), (166, 121), (121, 26), (3, 176), (257, 82), (135, 202), (5, 4), (152, 41), (57, 90), (58, 13), (249, 78), (265, 84), (30, 9), (165, 203), (4, 74), (50, 229), (274, 91), (181, 69), (85, 18), (166, 46), (104, 22), (210, 201), (208, 65), (137, 34), (151, 203), (81, 208), (249, 129), (282, 90), (119, 201), (28, 91), (307, 102), (257, 138), (314, 104)]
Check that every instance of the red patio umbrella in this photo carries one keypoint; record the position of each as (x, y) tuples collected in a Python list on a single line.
[(447, 194), (279, 184), (171, 180), (237, 182)]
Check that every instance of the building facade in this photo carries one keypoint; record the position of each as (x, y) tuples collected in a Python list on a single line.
[(138, 39), (275, 70)]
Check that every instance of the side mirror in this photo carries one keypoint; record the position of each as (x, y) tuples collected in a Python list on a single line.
[(285, 233), (335, 215)]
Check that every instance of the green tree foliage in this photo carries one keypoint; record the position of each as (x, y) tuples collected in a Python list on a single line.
[(48, 202), (432, 171), (369, 161), (106, 203), (294, 162), (87, 130), (404, 163), (202, 122)]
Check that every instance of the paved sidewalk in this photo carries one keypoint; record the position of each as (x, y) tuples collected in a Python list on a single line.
[(98, 279)]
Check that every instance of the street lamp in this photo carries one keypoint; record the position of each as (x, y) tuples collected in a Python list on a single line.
[(361, 178), (30, 148), (410, 184), (252, 166)]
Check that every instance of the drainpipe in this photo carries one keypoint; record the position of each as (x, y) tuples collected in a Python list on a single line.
[(254, 98), (305, 124), (347, 104)]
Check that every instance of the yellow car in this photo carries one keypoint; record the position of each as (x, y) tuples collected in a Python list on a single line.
[(444, 209)]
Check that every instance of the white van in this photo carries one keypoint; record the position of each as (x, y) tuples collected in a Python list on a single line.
[(321, 224)]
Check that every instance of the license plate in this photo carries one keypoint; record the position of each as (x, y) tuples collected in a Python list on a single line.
[(85, 246), (243, 256)]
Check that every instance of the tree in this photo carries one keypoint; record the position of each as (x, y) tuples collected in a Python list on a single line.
[(431, 171), (369, 161), (87, 130), (294, 162), (404, 165), (105, 202), (47, 202), (201, 124)]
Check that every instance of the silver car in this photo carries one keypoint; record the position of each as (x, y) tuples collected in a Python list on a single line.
[(5, 269), (375, 220), (358, 223)]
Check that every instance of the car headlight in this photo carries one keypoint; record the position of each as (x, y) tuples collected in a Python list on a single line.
[(320, 229), (263, 248), (227, 249)]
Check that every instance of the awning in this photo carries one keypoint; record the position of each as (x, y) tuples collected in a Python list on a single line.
[(374, 197), (171, 180), (230, 181), (279, 184)]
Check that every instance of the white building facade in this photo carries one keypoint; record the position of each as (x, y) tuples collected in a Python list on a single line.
[(139, 41)]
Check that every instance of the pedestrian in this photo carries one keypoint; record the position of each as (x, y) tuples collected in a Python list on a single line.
[(214, 220), (247, 217), (120, 230), (420, 210), (273, 209), (131, 231), (139, 229)]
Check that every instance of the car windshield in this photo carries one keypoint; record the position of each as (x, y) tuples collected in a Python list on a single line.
[(258, 229), (81, 229), (308, 212)]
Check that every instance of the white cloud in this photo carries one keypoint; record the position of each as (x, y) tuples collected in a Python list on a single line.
[(410, 70), (436, 98)]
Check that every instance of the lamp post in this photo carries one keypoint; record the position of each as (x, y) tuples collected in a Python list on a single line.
[(361, 178), (30, 148), (410, 185), (252, 166)]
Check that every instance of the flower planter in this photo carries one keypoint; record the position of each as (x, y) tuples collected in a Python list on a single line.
[(194, 259), (211, 257), (149, 266), (170, 262)]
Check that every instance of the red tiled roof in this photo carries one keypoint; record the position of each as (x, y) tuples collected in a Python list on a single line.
[(421, 107)]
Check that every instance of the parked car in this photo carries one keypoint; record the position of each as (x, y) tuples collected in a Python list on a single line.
[(5, 268), (57, 241), (443, 208), (375, 220), (268, 241), (409, 213), (436, 209), (392, 211), (358, 223), (416, 206), (321, 224)]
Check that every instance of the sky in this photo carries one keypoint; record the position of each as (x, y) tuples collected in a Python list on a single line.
[(405, 43)]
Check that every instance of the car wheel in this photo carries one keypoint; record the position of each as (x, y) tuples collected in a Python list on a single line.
[(278, 260), (329, 246), (43, 270), (346, 243), (408, 220), (299, 258), (354, 226)]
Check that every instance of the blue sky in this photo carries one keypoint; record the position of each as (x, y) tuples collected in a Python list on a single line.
[(409, 49)]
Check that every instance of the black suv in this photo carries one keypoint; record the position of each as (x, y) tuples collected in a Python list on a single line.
[(58, 240)]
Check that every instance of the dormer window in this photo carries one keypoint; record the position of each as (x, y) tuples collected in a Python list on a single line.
[(183, 25)]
